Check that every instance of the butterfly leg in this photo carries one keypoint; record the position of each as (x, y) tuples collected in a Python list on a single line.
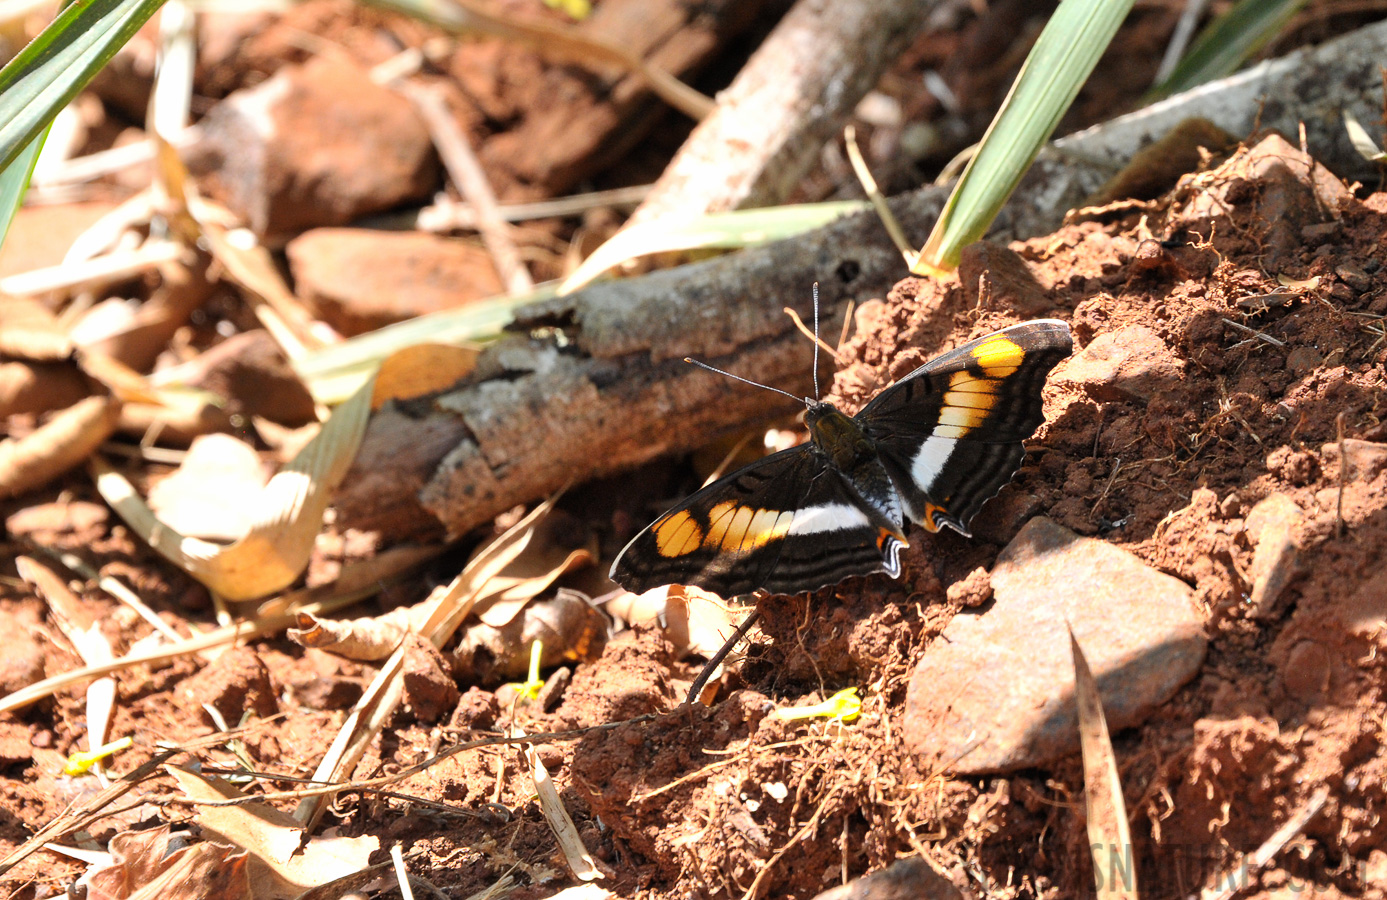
[(696, 689)]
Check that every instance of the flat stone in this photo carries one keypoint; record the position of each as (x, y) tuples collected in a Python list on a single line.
[(996, 692), (360, 280), (995, 276), (1131, 363), (1272, 525), (904, 879), (368, 149)]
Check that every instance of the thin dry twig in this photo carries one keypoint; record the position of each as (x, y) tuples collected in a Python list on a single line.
[(1250, 865), (469, 176)]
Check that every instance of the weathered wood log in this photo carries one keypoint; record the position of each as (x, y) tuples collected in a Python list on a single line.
[(791, 97)]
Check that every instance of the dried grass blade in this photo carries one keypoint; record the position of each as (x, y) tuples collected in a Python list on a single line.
[(85, 634), (556, 814), (1110, 840)]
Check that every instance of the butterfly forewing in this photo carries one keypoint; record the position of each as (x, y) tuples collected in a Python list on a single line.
[(950, 433)]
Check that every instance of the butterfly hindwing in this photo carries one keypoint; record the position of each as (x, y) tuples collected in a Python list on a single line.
[(950, 433), (785, 524)]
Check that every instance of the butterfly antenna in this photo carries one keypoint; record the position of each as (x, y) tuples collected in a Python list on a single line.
[(704, 365), (816, 340)]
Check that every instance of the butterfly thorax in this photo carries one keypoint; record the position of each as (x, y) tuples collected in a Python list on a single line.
[(853, 455)]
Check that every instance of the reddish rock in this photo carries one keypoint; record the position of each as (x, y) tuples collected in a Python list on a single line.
[(235, 682), (22, 662), (250, 373), (41, 235), (996, 277), (429, 687), (360, 280), (1131, 363), (996, 692), (317, 144)]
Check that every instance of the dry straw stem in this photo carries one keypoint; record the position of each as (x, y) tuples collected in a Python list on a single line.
[(84, 631), (1108, 835), (289, 513), (1253, 863), (470, 179), (284, 863)]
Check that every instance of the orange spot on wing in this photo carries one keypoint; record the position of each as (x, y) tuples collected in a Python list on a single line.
[(678, 534)]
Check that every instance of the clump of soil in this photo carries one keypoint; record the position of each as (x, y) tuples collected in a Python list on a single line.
[(1249, 293)]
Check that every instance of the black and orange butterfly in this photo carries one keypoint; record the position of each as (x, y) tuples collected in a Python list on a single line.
[(932, 447)]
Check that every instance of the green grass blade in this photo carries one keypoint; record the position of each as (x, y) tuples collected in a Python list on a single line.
[(713, 231), (1063, 56), (14, 181), (1227, 42), (49, 72)]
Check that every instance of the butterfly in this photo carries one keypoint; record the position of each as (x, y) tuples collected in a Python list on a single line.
[(933, 447)]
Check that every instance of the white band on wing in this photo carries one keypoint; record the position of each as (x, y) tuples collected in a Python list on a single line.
[(828, 517)]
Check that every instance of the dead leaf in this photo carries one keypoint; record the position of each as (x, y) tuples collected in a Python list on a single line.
[(1109, 839), (697, 622), (143, 869), (446, 610), (278, 869), (205, 496), (556, 814), (568, 626), (367, 639), (422, 369), (560, 543), (287, 513), (61, 443)]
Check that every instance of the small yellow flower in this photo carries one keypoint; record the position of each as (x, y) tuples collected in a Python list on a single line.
[(529, 688), (843, 706), (81, 761)]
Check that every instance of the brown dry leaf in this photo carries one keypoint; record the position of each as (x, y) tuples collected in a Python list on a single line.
[(29, 331), (288, 513), (143, 869), (278, 869), (1109, 839), (560, 543), (697, 622), (206, 495), (568, 627), (64, 441), (84, 631), (422, 369), (367, 639)]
